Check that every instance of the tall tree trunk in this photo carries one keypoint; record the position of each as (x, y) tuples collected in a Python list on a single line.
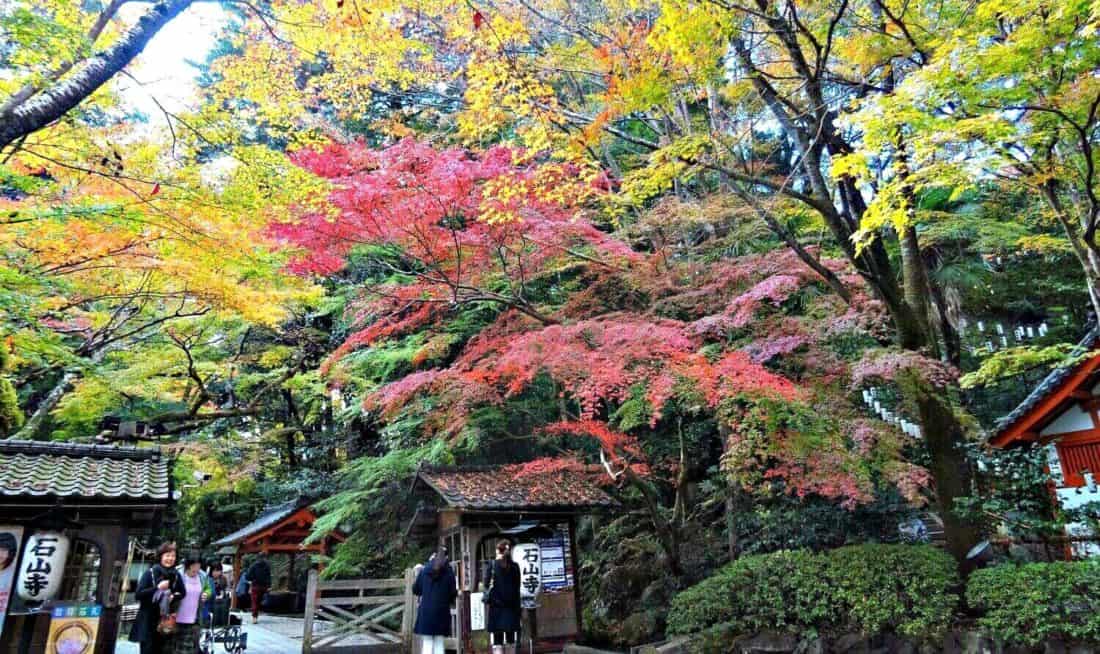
[(916, 286), (39, 110), (951, 470), (1086, 256), (32, 429)]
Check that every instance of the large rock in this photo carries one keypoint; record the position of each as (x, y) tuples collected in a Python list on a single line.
[(639, 628), (573, 648), (850, 644), (674, 646), (768, 643)]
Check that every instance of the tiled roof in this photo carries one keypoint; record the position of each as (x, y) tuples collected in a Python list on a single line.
[(1049, 384), (268, 518), (35, 468), (498, 488)]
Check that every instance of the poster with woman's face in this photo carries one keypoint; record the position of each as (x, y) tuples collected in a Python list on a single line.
[(10, 539)]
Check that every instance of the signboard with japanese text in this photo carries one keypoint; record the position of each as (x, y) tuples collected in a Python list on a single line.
[(10, 538), (529, 559), (552, 551), (42, 566), (477, 612), (73, 629)]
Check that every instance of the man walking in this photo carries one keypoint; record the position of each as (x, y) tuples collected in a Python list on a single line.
[(259, 581)]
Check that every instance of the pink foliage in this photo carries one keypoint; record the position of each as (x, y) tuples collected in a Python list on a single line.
[(768, 348), (886, 365), (595, 361), (775, 289), (598, 361), (912, 481), (427, 205), (389, 398)]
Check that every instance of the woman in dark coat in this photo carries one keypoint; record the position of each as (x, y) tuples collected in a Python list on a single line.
[(161, 577), (502, 579), (436, 587)]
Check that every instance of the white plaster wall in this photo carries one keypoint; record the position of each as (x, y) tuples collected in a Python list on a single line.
[(1072, 419)]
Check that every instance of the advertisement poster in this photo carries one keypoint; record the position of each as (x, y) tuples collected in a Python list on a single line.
[(554, 575), (73, 629), (10, 538)]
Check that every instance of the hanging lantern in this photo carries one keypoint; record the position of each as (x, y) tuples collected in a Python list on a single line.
[(43, 565), (529, 559)]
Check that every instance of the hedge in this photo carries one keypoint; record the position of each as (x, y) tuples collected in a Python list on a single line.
[(1032, 603), (906, 589)]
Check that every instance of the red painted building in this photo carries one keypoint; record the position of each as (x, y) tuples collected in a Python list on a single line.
[(1061, 414)]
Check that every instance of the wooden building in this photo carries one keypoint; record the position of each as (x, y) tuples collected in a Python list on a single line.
[(1060, 414), (470, 509), (94, 497), (280, 533)]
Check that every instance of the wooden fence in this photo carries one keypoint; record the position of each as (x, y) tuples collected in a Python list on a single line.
[(371, 616)]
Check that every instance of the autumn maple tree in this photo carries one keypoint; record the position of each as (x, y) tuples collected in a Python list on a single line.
[(721, 256)]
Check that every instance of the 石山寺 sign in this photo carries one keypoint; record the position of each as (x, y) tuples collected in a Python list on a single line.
[(529, 560), (42, 566)]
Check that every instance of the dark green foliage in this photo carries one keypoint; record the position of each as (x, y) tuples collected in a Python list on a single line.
[(11, 417), (625, 585), (784, 522), (1030, 604), (784, 591), (905, 589), (1013, 493)]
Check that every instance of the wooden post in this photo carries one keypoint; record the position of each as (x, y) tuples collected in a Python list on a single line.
[(408, 619), (578, 597), (237, 572), (311, 606)]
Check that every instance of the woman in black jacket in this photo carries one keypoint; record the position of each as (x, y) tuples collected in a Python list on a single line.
[(437, 590), (160, 577), (502, 579)]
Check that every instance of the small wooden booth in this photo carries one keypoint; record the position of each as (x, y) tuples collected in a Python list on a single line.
[(280, 533), (1061, 415), (470, 509), (69, 512)]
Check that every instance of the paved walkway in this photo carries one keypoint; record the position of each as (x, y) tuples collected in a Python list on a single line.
[(273, 635)]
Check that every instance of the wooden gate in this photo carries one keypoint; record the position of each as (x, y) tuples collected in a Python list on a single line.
[(373, 616)]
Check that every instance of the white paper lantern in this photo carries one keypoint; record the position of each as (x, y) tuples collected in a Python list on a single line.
[(529, 559), (43, 565)]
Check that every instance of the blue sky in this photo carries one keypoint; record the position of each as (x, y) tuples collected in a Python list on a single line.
[(162, 68)]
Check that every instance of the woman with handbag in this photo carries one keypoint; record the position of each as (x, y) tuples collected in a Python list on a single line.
[(437, 589), (502, 578), (158, 593)]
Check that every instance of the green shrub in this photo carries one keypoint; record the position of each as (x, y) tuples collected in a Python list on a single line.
[(782, 591), (1028, 604), (904, 589)]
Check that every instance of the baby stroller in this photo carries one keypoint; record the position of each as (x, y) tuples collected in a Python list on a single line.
[(223, 629)]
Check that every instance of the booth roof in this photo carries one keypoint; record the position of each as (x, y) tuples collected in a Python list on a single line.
[(52, 469), (498, 488), (267, 519)]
